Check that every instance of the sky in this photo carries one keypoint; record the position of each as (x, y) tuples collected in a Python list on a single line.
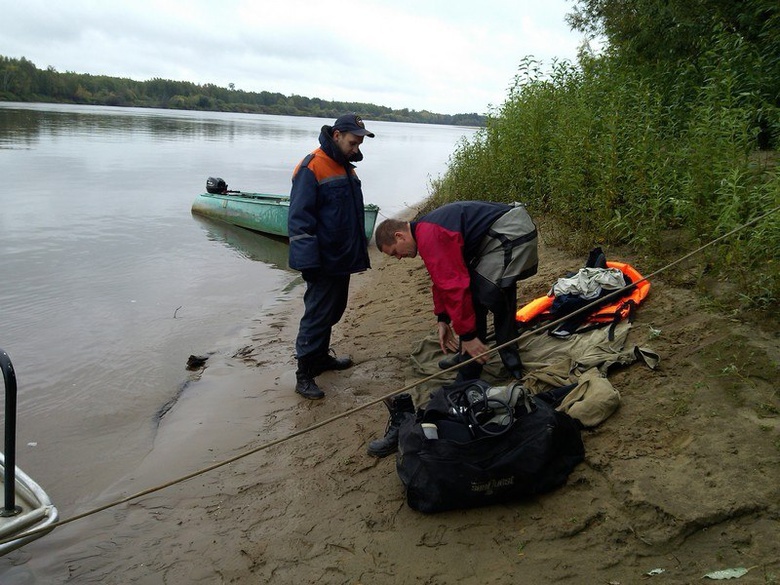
[(444, 56)]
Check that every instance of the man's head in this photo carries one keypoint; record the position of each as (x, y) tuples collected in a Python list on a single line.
[(394, 238), (348, 133)]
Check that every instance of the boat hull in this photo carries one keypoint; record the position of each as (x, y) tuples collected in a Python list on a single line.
[(259, 212), (36, 514)]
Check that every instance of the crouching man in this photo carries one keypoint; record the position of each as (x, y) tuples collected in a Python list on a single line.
[(475, 253)]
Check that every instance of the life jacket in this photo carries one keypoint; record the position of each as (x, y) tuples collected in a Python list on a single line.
[(610, 312)]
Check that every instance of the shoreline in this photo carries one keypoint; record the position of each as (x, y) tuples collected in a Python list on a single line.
[(687, 493)]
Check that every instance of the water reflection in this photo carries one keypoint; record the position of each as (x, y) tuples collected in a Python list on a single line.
[(28, 123), (246, 243)]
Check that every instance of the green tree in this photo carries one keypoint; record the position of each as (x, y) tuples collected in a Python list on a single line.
[(20, 80), (654, 135)]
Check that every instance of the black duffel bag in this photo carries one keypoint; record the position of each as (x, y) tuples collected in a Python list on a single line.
[(494, 444)]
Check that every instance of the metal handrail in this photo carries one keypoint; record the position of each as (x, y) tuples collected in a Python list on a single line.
[(9, 376)]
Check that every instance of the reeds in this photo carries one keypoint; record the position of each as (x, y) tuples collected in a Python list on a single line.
[(626, 155)]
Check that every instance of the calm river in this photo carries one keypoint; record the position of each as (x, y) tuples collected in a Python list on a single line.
[(108, 283)]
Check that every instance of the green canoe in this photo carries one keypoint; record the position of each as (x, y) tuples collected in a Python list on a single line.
[(259, 212)]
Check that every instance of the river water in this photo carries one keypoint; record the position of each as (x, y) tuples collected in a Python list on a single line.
[(108, 283)]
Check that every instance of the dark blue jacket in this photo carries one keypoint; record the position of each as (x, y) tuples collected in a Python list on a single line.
[(326, 223)]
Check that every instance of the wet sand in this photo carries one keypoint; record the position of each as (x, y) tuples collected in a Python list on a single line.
[(683, 477)]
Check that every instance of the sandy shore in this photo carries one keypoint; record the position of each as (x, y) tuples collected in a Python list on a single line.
[(683, 478)]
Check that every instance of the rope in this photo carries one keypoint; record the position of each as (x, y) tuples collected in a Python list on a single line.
[(618, 292), (384, 398)]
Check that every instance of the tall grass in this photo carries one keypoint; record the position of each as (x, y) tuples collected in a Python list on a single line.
[(624, 156)]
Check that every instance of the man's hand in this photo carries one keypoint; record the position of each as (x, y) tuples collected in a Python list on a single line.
[(474, 347), (447, 340)]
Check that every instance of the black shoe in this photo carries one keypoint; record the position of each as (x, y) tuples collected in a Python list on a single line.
[(307, 387), (388, 444), (331, 362)]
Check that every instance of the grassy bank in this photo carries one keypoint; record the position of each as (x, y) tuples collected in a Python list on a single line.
[(660, 160)]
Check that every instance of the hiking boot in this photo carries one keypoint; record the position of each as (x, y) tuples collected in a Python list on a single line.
[(388, 444), (307, 387)]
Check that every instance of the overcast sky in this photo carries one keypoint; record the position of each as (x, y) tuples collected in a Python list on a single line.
[(446, 56)]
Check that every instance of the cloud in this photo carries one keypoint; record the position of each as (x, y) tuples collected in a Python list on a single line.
[(446, 57)]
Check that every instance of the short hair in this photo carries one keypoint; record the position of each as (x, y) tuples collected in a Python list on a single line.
[(385, 232)]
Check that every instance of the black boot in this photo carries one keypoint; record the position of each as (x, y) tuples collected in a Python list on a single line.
[(515, 367), (512, 362), (388, 444), (331, 362), (305, 384), (307, 387)]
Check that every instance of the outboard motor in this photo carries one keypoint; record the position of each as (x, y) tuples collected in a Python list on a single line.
[(216, 185)]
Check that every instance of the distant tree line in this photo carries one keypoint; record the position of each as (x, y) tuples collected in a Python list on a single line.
[(22, 81)]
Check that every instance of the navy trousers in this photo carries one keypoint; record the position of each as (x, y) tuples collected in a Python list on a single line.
[(324, 303)]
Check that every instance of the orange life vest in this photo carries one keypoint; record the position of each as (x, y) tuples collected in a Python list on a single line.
[(616, 309)]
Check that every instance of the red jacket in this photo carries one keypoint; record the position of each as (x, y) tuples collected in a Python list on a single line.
[(448, 239)]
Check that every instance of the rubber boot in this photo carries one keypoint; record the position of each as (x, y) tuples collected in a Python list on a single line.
[(512, 362), (388, 444), (305, 385)]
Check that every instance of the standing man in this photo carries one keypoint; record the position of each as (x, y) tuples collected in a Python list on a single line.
[(475, 252), (328, 243)]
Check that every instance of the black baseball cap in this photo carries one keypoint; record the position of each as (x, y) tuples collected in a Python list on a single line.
[(352, 123)]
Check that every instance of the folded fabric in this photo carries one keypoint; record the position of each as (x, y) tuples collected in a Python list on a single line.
[(592, 401), (588, 283)]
